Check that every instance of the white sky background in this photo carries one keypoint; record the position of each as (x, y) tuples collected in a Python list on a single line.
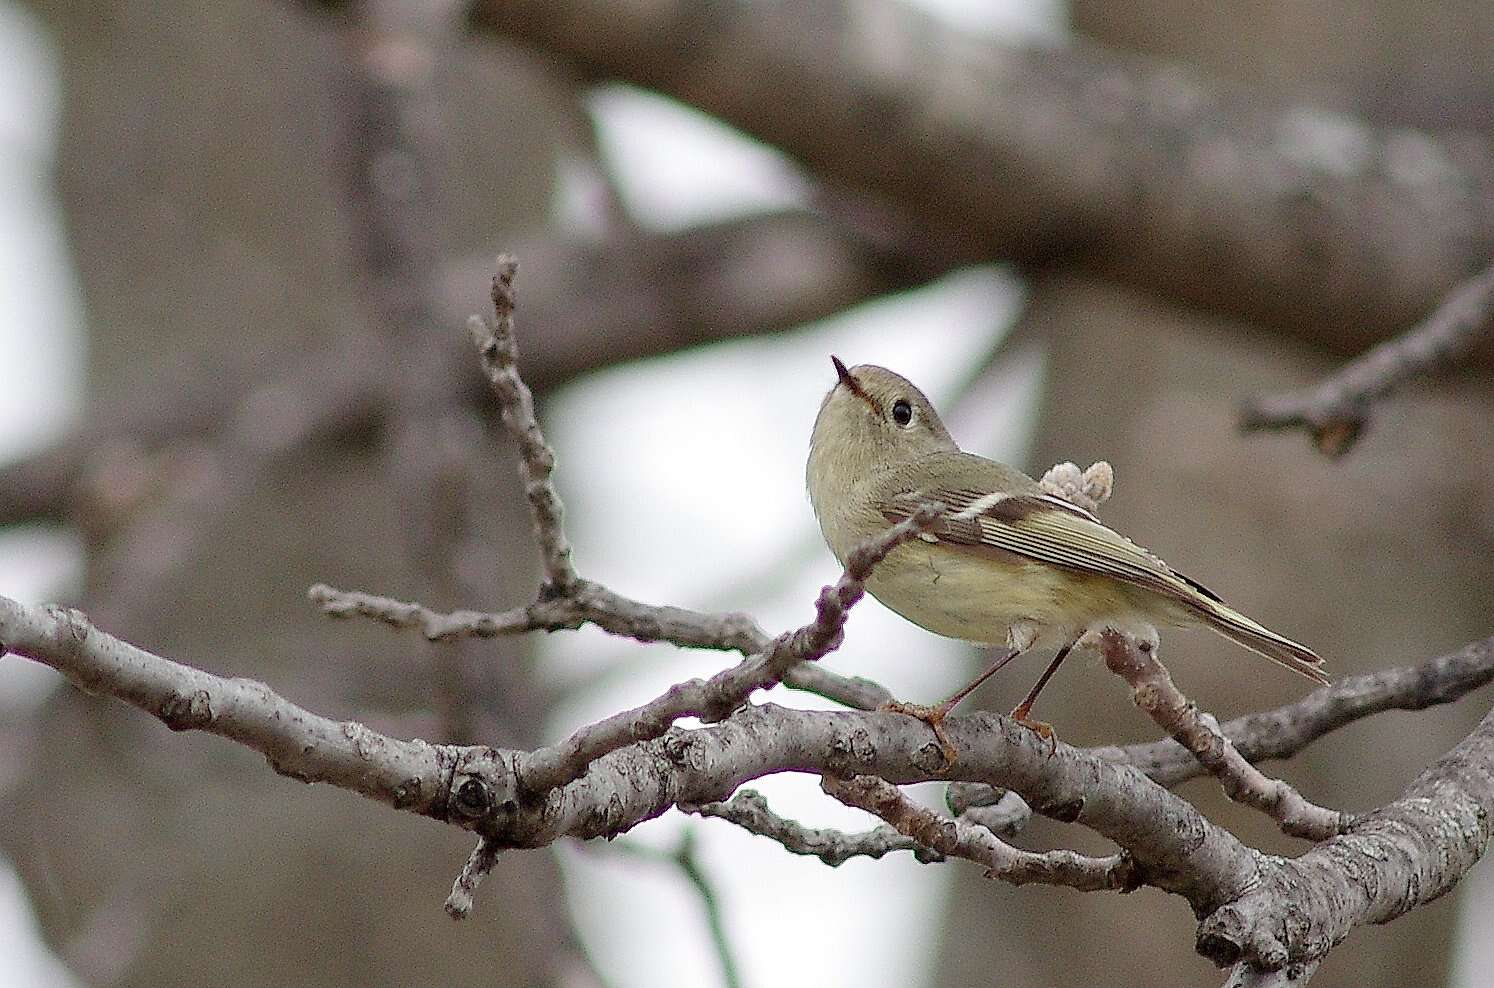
[(709, 512)]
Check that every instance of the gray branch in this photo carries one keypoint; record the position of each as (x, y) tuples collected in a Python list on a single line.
[(1154, 692), (500, 355), (1335, 411), (1182, 186), (1286, 730), (408, 775), (958, 839), (1264, 910), (714, 699), (749, 810), (1297, 975), (1388, 862)]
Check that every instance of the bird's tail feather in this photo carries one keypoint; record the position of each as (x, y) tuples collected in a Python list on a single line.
[(1262, 640)]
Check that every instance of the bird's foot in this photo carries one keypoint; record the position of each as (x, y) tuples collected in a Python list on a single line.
[(932, 716), (1041, 728)]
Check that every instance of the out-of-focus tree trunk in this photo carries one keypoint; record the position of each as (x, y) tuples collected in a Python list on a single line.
[(1375, 560), (203, 172)]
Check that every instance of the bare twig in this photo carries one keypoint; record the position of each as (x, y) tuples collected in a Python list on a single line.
[(478, 866), (1154, 692), (1335, 411), (749, 810), (689, 863), (1286, 730), (592, 603), (588, 603), (499, 352), (715, 698), (958, 839)]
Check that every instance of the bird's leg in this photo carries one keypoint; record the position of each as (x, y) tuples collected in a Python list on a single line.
[(1021, 711), (934, 716)]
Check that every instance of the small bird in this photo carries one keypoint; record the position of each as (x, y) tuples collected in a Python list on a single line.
[(1009, 565)]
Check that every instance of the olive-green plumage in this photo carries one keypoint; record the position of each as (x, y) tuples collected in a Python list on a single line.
[(1010, 564)]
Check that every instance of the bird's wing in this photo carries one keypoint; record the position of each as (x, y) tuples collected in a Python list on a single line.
[(1047, 529)]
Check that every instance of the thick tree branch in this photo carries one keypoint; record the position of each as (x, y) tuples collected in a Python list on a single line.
[(1292, 216), (1335, 411), (1244, 975), (638, 294), (1389, 861), (408, 775)]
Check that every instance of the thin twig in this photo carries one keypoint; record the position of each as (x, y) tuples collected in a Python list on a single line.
[(1286, 730), (958, 839), (1154, 692), (478, 866), (1336, 410), (749, 810), (499, 351), (715, 698)]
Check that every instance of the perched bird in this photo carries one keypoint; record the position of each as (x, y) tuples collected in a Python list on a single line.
[(1009, 565)]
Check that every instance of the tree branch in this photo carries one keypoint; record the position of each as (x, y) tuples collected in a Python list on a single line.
[(1283, 732), (714, 699), (740, 277), (1154, 692), (749, 810), (1388, 862), (958, 839), (408, 775), (1335, 411), (1244, 975), (1147, 171), (500, 355)]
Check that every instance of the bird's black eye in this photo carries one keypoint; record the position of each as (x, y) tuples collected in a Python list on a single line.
[(902, 412)]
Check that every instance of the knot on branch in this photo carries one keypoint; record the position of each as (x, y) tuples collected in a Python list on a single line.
[(189, 712)]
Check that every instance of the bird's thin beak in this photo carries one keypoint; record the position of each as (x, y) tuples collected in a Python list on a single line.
[(851, 384), (845, 375)]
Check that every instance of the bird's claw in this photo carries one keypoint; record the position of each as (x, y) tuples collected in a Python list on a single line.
[(932, 716), (1041, 728)]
